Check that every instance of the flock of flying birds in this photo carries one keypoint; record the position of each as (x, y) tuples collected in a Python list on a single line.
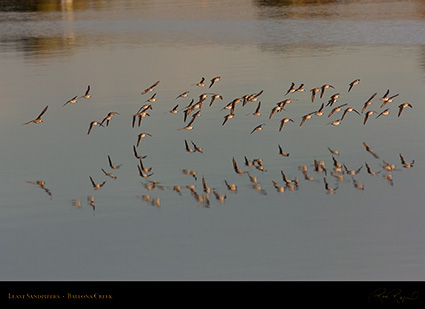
[(193, 110)]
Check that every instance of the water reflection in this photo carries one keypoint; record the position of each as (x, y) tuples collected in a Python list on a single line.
[(59, 27), (274, 182)]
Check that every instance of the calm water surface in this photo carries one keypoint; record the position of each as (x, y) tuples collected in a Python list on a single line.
[(52, 50)]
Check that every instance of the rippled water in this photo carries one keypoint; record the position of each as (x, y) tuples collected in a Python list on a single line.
[(51, 51)]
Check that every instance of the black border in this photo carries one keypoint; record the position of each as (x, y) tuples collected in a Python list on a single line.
[(361, 293)]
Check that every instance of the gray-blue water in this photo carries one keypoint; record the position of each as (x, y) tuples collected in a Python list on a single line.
[(141, 228)]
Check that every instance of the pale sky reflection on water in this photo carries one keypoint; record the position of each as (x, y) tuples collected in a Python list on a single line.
[(122, 47)]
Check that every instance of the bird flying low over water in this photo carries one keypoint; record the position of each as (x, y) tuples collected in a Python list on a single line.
[(258, 128), (183, 95), (140, 136), (214, 80), (336, 109), (73, 100), (92, 124), (314, 91), (283, 121), (38, 119), (368, 102), (305, 117), (112, 165), (96, 186), (283, 153), (109, 174), (384, 113), (403, 106), (214, 97), (366, 117), (87, 94), (324, 87), (257, 110), (291, 89), (353, 83), (347, 110), (200, 83), (108, 118), (150, 88), (405, 163), (189, 126)]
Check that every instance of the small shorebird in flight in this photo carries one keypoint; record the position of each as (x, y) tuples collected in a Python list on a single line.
[(291, 89), (283, 153), (324, 87), (112, 165), (368, 113), (201, 83), (283, 121), (96, 186), (384, 113), (368, 149), (385, 97), (143, 174), (73, 100), (333, 99), (109, 174), (214, 97), (236, 167), (108, 118), (140, 136), (368, 102), (231, 187), (189, 126), (143, 168), (275, 109), (348, 110), (38, 119), (406, 164), (300, 88), (174, 110), (92, 124), (335, 122), (136, 154), (319, 112), (306, 117), (258, 128), (353, 83), (388, 100), (314, 91), (333, 151), (152, 98), (150, 88), (197, 148), (139, 115), (214, 80), (227, 117), (403, 106), (188, 149), (87, 94), (336, 109), (328, 188), (183, 95), (257, 110), (254, 97)]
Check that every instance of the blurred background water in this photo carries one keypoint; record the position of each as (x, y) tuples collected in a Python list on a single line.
[(52, 50)]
